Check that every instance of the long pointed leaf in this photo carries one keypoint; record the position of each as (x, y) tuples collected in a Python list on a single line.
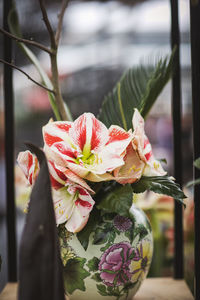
[(138, 88)]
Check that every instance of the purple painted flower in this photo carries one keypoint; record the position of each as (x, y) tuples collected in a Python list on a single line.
[(114, 264), (122, 223)]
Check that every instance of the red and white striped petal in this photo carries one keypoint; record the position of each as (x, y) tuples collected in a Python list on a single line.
[(61, 153), (119, 139), (132, 170), (80, 215), (75, 178), (63, 204), (143, 147), (147, 149), (107, 162), (72, 205), (58, 178), (138, 134), (89, 134), (55, 132), (29, 165), (78, 169)]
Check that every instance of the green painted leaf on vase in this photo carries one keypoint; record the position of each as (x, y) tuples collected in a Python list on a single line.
[(96, 277), (93, 264), (102, 290), (74, 275)]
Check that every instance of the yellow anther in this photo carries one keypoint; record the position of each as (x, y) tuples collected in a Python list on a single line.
[(25, 210), (61, 212), (133, 168), (156, 165)]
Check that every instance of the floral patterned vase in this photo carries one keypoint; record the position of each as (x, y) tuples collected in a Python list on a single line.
[(116, 261)]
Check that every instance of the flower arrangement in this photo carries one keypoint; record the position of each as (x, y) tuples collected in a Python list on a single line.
[(96, 165), (84, 152)]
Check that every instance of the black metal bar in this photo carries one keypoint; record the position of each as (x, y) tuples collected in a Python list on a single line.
[(195, 54), (176, 115), (9, 149)]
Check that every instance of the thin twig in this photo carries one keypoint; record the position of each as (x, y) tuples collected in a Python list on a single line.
[(48, 25), (25, 41), (60, 20), (30, 78)]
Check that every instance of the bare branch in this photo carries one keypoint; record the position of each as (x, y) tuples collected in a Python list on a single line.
[(60, 20), (30, 78), (48, 25), (25, 41)]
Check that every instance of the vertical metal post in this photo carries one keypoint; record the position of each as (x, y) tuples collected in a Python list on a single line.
[(195, 54), (176, 114), (9, 149)]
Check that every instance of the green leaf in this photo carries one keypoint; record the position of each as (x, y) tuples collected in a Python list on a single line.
[(74, 275), (163, 160), (141, 231), (102, 290), (193, 182), (118, 200), (93, 264), (84, 234), (138, 88), (161, 185), (96, 277), (197, 163)]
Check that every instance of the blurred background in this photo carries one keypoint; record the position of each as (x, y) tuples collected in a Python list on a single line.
[(101, 39)]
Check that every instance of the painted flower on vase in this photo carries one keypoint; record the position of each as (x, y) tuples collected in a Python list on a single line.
[(86, 146), (115, 264), (140, 264), (122, 223)]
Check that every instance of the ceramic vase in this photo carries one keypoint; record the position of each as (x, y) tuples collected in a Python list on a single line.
[(116, 261)]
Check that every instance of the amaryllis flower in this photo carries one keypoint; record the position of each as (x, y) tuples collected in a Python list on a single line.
[(143, 148), (86, 146), (29, 165), (72, 205), (140, 264)]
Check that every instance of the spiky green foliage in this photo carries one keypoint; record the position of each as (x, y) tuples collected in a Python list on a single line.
[(138, 88)]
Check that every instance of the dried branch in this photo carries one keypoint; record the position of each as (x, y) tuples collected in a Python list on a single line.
[(30, 78), (25, 41), (48, 25), (65, 115), (60, 20)]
